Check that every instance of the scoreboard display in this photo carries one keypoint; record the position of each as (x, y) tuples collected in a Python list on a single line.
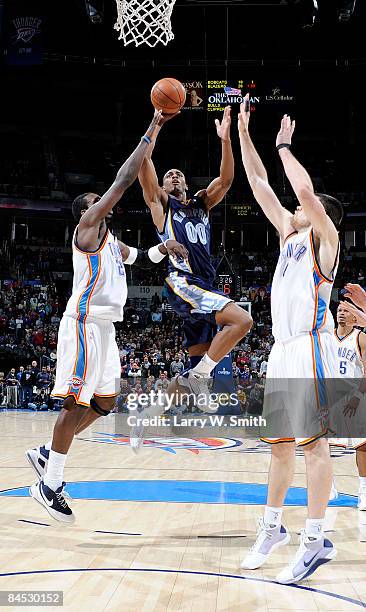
[(220, 93), (230, 285)]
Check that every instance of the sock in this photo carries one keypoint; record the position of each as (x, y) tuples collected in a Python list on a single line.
[(193, 361), (272, 516), (205, 366), (55, 470), (48, 445), (314, 528), (362, 482)]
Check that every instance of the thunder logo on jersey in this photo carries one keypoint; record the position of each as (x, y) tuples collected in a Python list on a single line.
[(189, 224), (345, 353), (292, 251)]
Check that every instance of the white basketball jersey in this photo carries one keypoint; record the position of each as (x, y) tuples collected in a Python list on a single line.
[(300, 293), (99, 286), (349, 355)]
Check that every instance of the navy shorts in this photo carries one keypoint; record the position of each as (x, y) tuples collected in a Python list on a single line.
[(196, 301)]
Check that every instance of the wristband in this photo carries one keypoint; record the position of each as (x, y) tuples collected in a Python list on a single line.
[(146, 139), (132, 256), (284, 145), (155, 255)]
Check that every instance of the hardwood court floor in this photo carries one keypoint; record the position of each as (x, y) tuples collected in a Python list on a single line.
[(181, 550)]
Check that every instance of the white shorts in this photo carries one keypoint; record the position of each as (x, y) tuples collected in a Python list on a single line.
[(354, 443), (297, 390), (88, 360)]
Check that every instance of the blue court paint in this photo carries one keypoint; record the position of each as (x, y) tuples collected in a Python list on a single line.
[(182, 491), (350, 600)]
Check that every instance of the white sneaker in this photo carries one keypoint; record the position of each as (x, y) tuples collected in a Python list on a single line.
[(137, 436), (201, 387), (333, 492), (268, 539), (38, 458), (361, 505), (53, 501), (156, 408), (310, 555)]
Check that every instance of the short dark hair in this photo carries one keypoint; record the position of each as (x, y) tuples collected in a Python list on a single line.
[(80, 203), (333, 208)]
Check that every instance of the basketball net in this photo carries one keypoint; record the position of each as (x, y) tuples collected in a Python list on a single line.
[(144, 21)]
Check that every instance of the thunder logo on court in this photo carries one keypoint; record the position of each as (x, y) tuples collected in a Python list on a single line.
[(194, 445)]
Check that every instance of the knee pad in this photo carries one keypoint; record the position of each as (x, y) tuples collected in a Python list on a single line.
[(97, 408)]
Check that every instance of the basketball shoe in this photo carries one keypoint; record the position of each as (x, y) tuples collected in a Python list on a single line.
[(53, 501), (333, 492), (137, 435), (361, 505), (157, 408), (38, 458), (312, 553), (268, 539), (201, 387)]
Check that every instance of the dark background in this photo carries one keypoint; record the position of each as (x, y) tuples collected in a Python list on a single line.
[(83, 109)]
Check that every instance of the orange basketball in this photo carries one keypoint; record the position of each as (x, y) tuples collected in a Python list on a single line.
[(168, 95)]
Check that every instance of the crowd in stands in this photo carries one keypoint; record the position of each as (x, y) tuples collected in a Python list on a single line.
[(150, 341)]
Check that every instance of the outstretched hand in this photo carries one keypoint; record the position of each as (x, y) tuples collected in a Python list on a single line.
[(223, 128), (164, 117), (355, 293), (287, 129), (351, 407), (176, 249), (244, 115)]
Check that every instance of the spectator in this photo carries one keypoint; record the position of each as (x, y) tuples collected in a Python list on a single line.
[(39, 400), (162, 382), (28, 381), (20, 388), (263, 367), (134, 371), (145, 367), (12, 385), (43, 380), (155, 368), (2, 390), (177, 366)]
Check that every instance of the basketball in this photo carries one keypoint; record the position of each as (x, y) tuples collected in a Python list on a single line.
[(168, 95)]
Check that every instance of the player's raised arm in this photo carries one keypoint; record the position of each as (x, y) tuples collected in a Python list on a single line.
[(125, 177), (218, 188), (302, 185), (257, 176), (155, 197), (153, 255)]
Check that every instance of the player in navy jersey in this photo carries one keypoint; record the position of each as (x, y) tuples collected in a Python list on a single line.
[(190, 282)]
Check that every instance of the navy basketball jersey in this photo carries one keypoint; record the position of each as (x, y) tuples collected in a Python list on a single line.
[(189, 224)]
